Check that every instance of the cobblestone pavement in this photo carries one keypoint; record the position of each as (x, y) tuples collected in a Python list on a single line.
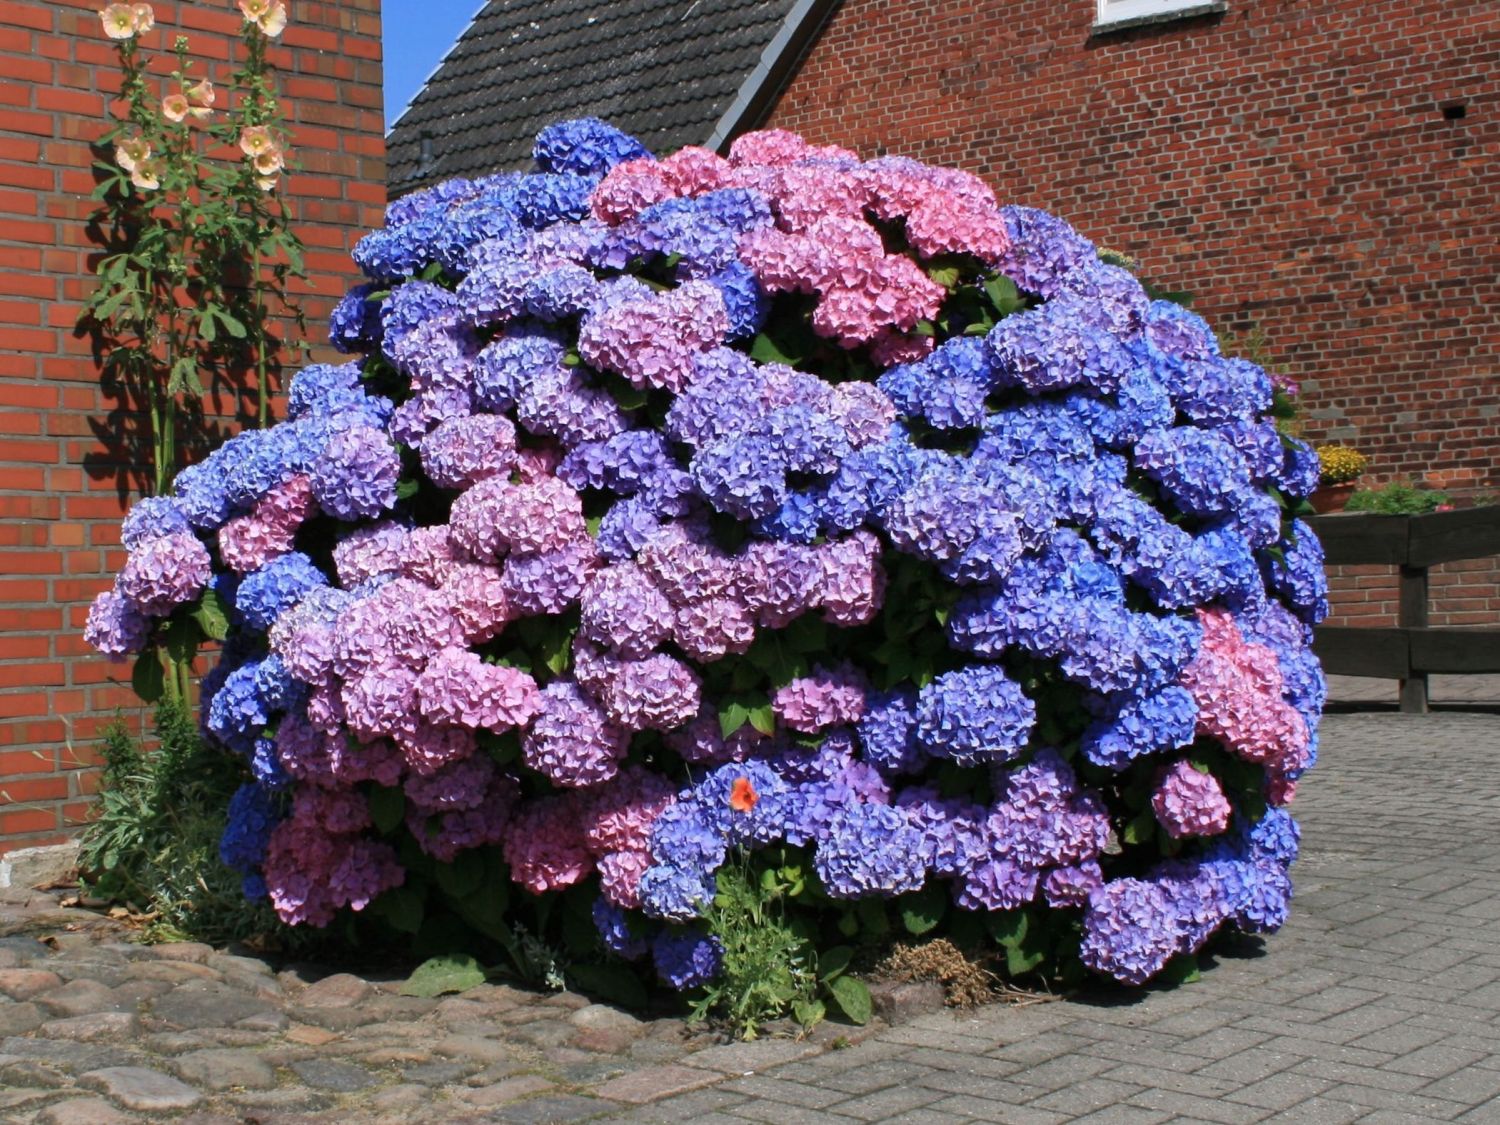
[(1380, 1001)]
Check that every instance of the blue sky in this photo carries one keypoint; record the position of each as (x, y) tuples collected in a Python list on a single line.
[(416, 34)]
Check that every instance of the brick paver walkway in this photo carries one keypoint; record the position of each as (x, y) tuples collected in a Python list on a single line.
[(1380, 1001)]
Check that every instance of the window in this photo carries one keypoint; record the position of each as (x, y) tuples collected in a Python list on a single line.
[(1115, 14)]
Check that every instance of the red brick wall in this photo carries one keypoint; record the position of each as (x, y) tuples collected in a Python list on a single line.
[(1288, 163), (59, 523), (1465, 592)]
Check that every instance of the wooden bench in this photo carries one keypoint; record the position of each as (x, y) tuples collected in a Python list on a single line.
[(1412, 650)]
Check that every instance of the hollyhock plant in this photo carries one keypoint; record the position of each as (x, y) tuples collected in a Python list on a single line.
[(777, 516)]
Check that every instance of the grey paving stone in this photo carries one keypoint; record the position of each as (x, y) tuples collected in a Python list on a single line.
[(139, 1088), (793, 1115), (330, 1074), (1280, 1091), (1084, 1097), (890, 1102), (1191, 1105), (550, 1110), (216, 1069), (1321, 1111), (967, 1106), (770, 1088)]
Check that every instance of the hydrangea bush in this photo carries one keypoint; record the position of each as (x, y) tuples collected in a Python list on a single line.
[(781, 507)]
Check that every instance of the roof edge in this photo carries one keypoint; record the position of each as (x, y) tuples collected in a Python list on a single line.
[(431, 74), (778, 62)]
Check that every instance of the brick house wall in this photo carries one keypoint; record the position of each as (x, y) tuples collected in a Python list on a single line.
[(1302, 169), (60, 505)]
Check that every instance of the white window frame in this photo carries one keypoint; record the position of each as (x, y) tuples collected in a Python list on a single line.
[(1118, 13)]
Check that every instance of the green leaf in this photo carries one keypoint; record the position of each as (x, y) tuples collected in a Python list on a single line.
[(766, 350), (212, 615), (1008, 927), (734, 713), (613, 983), (1182, 969), (388, 809), (147, 677), (1140, 828), (406, 489), (921, 912), (1003, 294), (627, 397), (833, 961), (763, 719), (946, 276), (852, 997), (809, 1013), (452, 972), (402, 907), (463, 876), (181, 640), (1019, 959), (235, 326), (207, 328)]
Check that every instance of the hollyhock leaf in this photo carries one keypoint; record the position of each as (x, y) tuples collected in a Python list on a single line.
[(438, 976)]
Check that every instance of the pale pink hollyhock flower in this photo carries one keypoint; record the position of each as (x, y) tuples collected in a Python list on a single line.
[(265, 183), (132, 152), (269, 162), (142, 17), (268, 15), (174, 107), (146, 175), (201, 94), (119, 21), (256, 139)]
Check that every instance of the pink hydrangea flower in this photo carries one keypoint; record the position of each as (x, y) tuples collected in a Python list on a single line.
[(1188, 802), (458, 688), (830, 697), (544, 845)]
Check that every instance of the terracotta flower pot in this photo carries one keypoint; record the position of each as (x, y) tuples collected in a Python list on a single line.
[(1331, 497)]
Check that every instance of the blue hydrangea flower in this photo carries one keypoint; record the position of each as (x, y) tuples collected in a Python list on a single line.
[(688, 958)]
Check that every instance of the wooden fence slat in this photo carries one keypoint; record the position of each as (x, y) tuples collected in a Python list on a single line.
[(1354, 651), (1358, 539), (1455, 650), (1439, 537)]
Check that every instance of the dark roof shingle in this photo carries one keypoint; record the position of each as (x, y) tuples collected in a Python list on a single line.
[(665, 71)]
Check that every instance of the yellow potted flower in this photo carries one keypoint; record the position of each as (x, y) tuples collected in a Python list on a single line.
[(1339, 467)]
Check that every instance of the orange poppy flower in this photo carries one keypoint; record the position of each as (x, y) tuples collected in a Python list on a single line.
[(742, 795)]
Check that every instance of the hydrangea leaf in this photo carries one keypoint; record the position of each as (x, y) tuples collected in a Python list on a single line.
[(212, 615), (921, 912), (147, 678), (387, 808)]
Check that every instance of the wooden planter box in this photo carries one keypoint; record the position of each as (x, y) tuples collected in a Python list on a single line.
[(1412, 650)]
